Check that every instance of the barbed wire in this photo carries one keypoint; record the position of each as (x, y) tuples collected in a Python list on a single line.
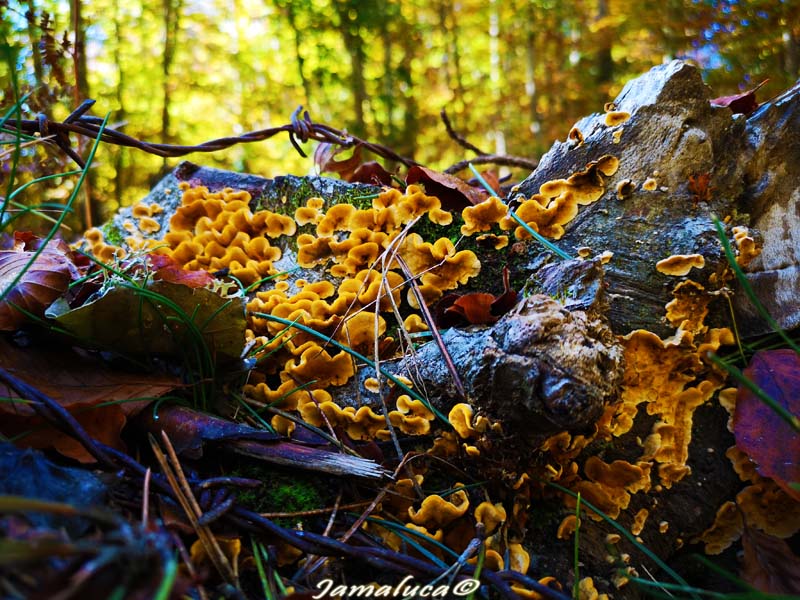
[(301, 129)]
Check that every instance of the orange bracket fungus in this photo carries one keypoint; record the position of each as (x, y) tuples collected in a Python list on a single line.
[(567, 527), (616, 117), (680, 264), (575, 136), (625, 188), (746, 246), (436, 512), (557, 202), (490, 515), (483, 216)]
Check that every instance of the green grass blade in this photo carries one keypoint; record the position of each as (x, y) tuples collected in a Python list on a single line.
[(262, 574), (723, 573), (25, 186), (168, 580), (404, 532)]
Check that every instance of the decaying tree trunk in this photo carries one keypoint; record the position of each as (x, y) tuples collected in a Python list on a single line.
[(548, 367), (673, 136)]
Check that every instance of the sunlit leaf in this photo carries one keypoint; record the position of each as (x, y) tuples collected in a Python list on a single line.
[(325, 160)]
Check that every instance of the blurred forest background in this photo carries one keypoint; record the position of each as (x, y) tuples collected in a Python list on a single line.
[(513, 75)]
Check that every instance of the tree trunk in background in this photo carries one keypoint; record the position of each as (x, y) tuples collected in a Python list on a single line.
[(494, 75), (351, 36), (172, 9), (448, 24), (33, 34), (79, 52), (291, 18), (386, 129), (91, 210), (605, 62), (530, 72), (120, 153), (408, 139)]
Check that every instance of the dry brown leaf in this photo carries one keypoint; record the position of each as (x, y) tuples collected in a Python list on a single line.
[(45, 279), (79, 383), (744, 103), (454, 193), (769, 564)]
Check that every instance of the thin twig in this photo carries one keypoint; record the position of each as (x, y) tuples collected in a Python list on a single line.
[(429, 320), (314, 565), (460, 139), (314, 512), (180, 486), (494, 159)]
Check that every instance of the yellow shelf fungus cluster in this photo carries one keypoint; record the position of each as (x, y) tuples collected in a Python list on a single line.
[(668, 378), (450, 519), (364, 256)]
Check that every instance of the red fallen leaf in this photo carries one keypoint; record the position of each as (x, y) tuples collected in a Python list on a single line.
[(476, 308), (508, 299), (766, 438), (491, 178), (769, 564), (371, 172), (167, 269), (22, 239), (80, 384), (700, 188), (47, 278), (325, 159), (744, 103), (454, 193)]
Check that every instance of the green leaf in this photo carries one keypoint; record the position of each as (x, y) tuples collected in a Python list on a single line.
[(162, 318)]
